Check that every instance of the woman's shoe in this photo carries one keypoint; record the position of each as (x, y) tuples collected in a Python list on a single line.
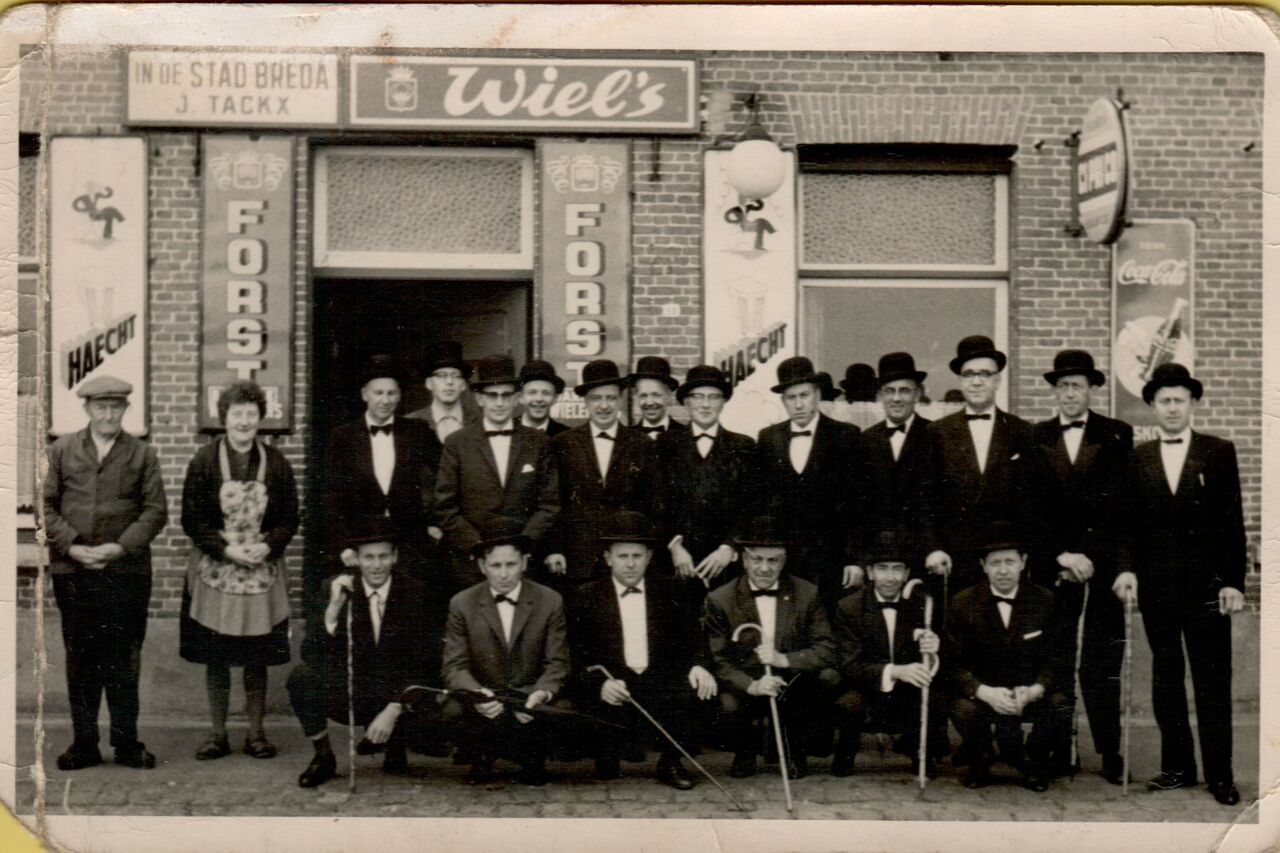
[(214, 746), (259, 747)]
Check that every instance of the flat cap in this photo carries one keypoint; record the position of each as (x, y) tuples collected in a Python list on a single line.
[(105, 386)]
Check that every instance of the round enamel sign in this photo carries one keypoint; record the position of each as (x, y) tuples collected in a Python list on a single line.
[(1102, 172)]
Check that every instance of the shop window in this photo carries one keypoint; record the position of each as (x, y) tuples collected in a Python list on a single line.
[(423, 210)]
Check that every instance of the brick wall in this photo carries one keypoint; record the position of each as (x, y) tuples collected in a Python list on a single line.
[(1192, 117)]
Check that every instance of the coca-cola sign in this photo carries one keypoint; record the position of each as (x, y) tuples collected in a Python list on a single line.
[(1169, 272), (1102, 171), (489, 93)]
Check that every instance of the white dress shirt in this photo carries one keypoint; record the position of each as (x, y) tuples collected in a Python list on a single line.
[(704, 447), (384, 453), (447, 420), (524, 420), (1174, 457), (890, 626), (1073, 437), (801, 447), (501, 447), (635, 627), (1005, 608), (767, 608), (981, 431), (377, 608), (899, 438), (506, 610), (604, 447)]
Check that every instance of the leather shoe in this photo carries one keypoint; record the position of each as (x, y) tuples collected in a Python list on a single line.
[(480, 773), (395, 762), (1113, 769), (1168, 780), (533, 775), (322, 768), (744, 765), (368, 747), (608, 769), (77, 757), (978, 775), (214, 746), (1035, 782), (259, 747), (671, 771), (135, 756), (1225, 793), (842, 764)]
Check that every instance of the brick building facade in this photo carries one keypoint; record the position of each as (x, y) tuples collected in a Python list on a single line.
[(1196, 138)]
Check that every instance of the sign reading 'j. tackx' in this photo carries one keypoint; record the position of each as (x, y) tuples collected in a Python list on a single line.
[(185, 87), (1102, 172), (247, 305), (483, 93)]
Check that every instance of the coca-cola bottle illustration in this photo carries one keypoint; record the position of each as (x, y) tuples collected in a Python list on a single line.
[(1164, 343)]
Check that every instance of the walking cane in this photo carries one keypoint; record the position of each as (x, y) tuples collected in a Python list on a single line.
[(1077, 685), (605, 672), (777, 722), (1128, 694), (923, 753), (351, 704)]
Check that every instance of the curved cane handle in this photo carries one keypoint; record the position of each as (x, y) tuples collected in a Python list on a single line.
[(743, 627), (600, 668)]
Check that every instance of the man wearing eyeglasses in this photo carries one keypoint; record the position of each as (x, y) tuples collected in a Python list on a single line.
[(985, 467), (496, 468), (451, 408)]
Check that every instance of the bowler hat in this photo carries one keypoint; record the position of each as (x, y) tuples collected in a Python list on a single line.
[(540, 371), (1170, 375), (1074, 362), (886, 547), (501, 530), (977, 346), (826, 386), (898, 365), (1000, 536), (494, 370), (627, 526), (704, 375), (448, 354), (953, 395), (105, 387), (381, 366), (373, 528), (597, 373), (794, 371), (859, 383), (653, 367), (764, 531)]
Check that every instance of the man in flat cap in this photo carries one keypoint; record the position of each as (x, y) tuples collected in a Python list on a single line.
[(1183, 559), (540, 387), (1085, 454), (104, 502), (651, 385), (451, 407)]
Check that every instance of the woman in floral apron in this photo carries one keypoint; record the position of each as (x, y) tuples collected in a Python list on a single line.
[(240, 508)]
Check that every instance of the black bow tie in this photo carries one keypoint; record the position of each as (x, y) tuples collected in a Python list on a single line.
[(627, 590), (985, 417), (490, 433), (374, 429), (902, 428), (887, 605), (756, 593), (1171, 441), (798, 433), (1072, 425), (708, 436), (604, 435), (648, 429), (498, 599), (1000, 599)]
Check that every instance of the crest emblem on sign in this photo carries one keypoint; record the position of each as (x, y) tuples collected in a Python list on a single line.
[(247, 170), (401, 90), (584, 173)]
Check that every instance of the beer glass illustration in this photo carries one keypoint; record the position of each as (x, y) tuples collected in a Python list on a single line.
[(748, 296)]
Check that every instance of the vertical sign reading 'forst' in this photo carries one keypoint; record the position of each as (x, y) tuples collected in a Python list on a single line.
[(247, 298), (586, 259)]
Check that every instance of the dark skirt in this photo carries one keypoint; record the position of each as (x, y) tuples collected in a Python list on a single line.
[(199, 644)]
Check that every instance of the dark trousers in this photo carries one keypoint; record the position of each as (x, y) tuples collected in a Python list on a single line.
[(805, 709), (315, 701), (1208, 639), (974, 720), (1101, 658), (668, 700), (895, 712), (104, 620), (527, 744)]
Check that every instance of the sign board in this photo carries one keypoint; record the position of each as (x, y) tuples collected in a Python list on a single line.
[(1153, 297), (232, 89), (491, 93), (585, 261), (247, 273), (749, 291), (97, 272), (1102, 171)]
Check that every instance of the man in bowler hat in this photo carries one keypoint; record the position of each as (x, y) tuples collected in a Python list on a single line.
[(450, 407), (651, 385), (540, 387)]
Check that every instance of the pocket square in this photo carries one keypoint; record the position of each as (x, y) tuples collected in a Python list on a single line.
[(1032, 635), (1014, 457), (527, 469)]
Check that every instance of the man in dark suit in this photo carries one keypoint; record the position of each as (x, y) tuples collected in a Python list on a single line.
[(708, 486), (984, 465), (882, 639), (642, 630), (494, 468), (540, 387), (1085, 454), (651, 385), (603, 467), (450, 407), (1005, 665), (505, 634), (895, 457), (796, 643), (1183, 558), (810, 469), (395, 637)]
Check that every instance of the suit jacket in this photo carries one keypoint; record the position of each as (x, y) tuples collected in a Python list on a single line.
[(554, 428), (706, 500), (586, 500), (819, 506), (894, 491), (469, 491), (352, 493), (1082, 501), (202, 518), (863, 642), (1184, 547), (964, 500), (801, 631), (675, 641), (980, 650), (88, 501), (476, 654), (407, 651)]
